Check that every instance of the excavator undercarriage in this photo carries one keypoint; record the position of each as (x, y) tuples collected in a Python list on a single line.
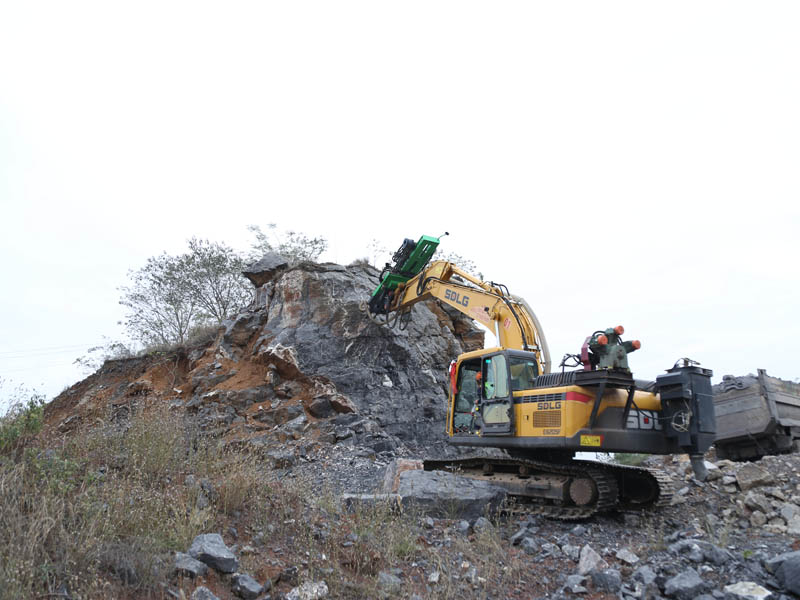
[(568, 490)]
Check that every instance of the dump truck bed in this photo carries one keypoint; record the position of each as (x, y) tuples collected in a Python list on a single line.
[(756, 415)]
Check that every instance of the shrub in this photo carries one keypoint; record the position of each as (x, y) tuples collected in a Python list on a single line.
[(21, 422)]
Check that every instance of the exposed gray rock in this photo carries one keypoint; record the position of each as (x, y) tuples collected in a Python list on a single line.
[(793, 526), (747, 590), (626, 556), (788, 574), (186, 565), (645, 574), (573, 552), (245, 586), (590, 560), (789, 510), (607, 580), (578, 530), (755, 501), (530, 545), (211, 549), (315, 311), (441, 494), (354, 502), (237, 331), (700, 550), (482, 524), (282, 458), (775, 562), (575, 584), (686, 585), (310, 590), (203, 593), (264, 270), (388, 580), (517, 538), (321, 407), (751, 475), (549, 549)]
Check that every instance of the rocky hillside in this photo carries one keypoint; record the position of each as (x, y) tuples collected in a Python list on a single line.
[(255, 466), (303, 359)]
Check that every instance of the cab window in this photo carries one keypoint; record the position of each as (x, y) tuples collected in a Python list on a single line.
[(496, 377), (467, 386), (523, 373)]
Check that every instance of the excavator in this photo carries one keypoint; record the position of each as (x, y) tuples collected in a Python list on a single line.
[(509, 397)]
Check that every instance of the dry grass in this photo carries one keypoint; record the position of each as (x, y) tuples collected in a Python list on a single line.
[(102, 515), (109, 507)]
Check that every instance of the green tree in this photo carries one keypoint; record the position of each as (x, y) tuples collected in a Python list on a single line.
[(171, 296), (295, 247), (161, 309), (21, 415), (213, 273)]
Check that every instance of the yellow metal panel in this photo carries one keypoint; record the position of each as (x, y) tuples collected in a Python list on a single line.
[(574, 414)]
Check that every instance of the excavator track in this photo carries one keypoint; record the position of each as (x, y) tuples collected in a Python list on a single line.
[(590, 487)]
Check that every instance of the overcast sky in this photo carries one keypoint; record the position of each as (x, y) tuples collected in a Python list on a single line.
[(628, 163)]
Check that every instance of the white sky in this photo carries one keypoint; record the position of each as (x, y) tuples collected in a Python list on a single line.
[(612, 162)]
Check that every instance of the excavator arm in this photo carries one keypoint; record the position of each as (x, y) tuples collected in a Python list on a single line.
[(510, 318)]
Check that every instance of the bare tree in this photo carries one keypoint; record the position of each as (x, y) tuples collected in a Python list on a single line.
[(294, 246), (173, 295), (161, 308), (213, 273)]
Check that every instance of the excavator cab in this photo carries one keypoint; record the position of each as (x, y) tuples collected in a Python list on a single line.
[(483, 402)]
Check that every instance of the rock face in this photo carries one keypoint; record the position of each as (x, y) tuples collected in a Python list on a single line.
[(303, 355), (396, 377)]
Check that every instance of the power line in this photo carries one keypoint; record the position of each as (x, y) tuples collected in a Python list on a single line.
[(50, 350), (49, 366)]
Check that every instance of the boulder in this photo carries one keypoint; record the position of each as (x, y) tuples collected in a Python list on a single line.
[(746, 590), (751, 475), (445, 495), (607, 580), (575, 584), (788, 574), (645, 574), (245, 586), (774, 563), (389, 580), (793, 526), (321, 407), (238, 331), (700, 550), (626, 556), (686, 585), (755, 501), (590, 560), (188, 566), (211, 549), (203, 593), (264, 270)]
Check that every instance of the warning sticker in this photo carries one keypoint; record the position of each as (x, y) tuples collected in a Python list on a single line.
[(507, 323), (591, 440)]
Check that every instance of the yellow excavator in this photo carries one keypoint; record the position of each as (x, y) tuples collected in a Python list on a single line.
[(509, 397)]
